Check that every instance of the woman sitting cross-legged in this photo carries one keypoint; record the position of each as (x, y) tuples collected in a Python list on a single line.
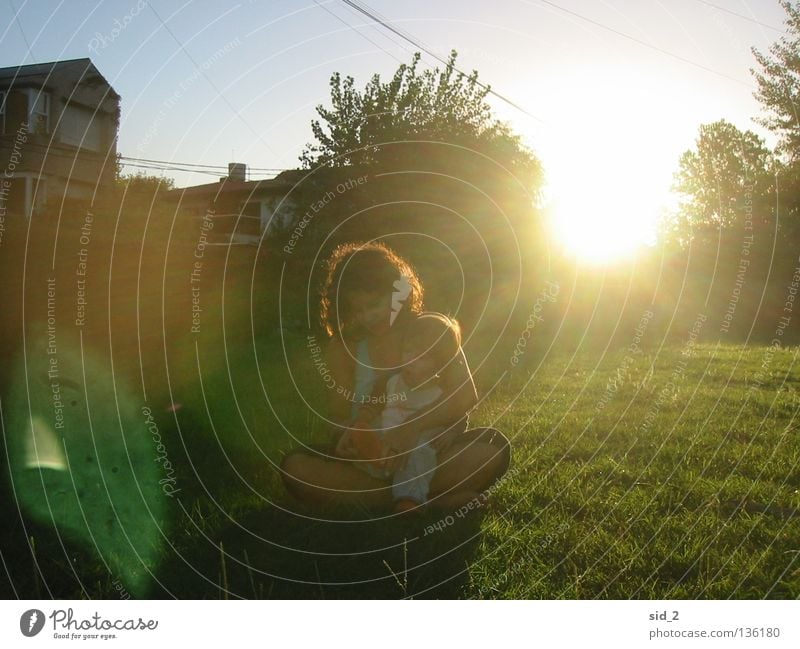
[(371, 305)]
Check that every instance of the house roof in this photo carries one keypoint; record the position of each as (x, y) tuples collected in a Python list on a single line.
[(283, 182), (227, 186), (22, 73)]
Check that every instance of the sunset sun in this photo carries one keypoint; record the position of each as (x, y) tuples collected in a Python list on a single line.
[(609, 217)]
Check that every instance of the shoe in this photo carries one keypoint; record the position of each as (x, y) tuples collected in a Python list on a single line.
[(407, 505)]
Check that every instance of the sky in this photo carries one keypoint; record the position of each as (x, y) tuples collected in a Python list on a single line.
[(613, 91)]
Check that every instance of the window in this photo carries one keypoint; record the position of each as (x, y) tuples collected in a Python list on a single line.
[(80, 127), (39, 112)]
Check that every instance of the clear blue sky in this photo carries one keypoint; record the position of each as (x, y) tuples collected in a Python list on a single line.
[(610, 110)]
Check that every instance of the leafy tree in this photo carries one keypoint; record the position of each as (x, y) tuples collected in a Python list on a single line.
[(443, 106), (141, 184), (729, 171), (465, 214), (779, 84)]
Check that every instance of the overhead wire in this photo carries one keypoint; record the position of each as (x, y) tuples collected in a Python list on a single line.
[(353, 27), (370, 13), (379, 19), (193, 164), (742, 16), (678, 57)]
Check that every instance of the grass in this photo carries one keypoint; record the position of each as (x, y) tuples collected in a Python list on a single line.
[(654, 475)]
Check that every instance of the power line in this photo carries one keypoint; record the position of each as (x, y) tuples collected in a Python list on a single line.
[(81, 156), (216, 174), (206, 77), (192, 164), (399, 44), (371, 14), (742, 16), (156, 168), (21, 31), (417, 42), (349, 26), (645, 43)]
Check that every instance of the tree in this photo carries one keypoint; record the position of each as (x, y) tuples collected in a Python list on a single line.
[(727, 176), (779, 84), (443, 106), (455, 189), (141, 184)]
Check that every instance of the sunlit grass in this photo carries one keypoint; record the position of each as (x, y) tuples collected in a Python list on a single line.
[(702, 502)]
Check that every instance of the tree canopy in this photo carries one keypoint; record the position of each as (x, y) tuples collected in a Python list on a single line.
[(442, 106), (778, 82), (715, 180)]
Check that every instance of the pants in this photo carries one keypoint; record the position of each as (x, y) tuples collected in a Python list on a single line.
[(413, 481)]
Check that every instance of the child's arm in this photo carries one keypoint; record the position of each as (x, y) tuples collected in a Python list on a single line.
[(459, 396), (374, 405), (364, 420)]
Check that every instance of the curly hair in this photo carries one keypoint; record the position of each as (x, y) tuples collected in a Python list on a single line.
[(371, 267)]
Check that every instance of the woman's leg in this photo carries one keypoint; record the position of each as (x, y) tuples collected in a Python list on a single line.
[(319, 480), (473, 463)]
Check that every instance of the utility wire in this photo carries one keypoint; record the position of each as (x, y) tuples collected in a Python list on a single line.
[(645, 43), (371, 14), (206, 77), (21, 31), (81, 154), (192, 164), (353, 27), (418, 42), (742, 16), (216, 174), (154, 168)]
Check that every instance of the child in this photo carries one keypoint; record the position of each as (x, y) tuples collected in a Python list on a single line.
[(366, 329), (430, 343)]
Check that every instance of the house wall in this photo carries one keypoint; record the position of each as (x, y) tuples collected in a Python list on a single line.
[(77, 155)]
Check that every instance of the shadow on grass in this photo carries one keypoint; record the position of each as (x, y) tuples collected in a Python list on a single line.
[(277, 553)]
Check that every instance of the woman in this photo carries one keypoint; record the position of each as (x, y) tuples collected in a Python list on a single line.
[(370, 293)]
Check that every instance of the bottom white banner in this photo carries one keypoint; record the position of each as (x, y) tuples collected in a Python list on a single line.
[(389, 624)]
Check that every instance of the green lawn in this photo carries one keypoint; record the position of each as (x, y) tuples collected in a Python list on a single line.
[(645, 476), (680, 486)]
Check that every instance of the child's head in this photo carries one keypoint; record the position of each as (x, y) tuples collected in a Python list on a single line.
[(366, 287), (430, 343)]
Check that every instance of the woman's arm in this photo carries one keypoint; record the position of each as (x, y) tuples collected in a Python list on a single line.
[(459, 396), (340, 388)]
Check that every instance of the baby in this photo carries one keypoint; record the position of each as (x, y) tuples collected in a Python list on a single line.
[(430, 343)]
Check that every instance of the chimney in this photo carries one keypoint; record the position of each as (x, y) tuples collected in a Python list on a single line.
[(237, 171)]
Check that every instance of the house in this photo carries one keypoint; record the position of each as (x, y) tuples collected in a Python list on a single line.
[(58, 133), (241, 210)]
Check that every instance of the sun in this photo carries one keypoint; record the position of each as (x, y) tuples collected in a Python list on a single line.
[(599, 219), (597, 227), (608, 169)]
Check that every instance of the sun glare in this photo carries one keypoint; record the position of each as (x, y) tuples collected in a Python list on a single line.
[(604, 211), (608, 169), (600, 224)]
